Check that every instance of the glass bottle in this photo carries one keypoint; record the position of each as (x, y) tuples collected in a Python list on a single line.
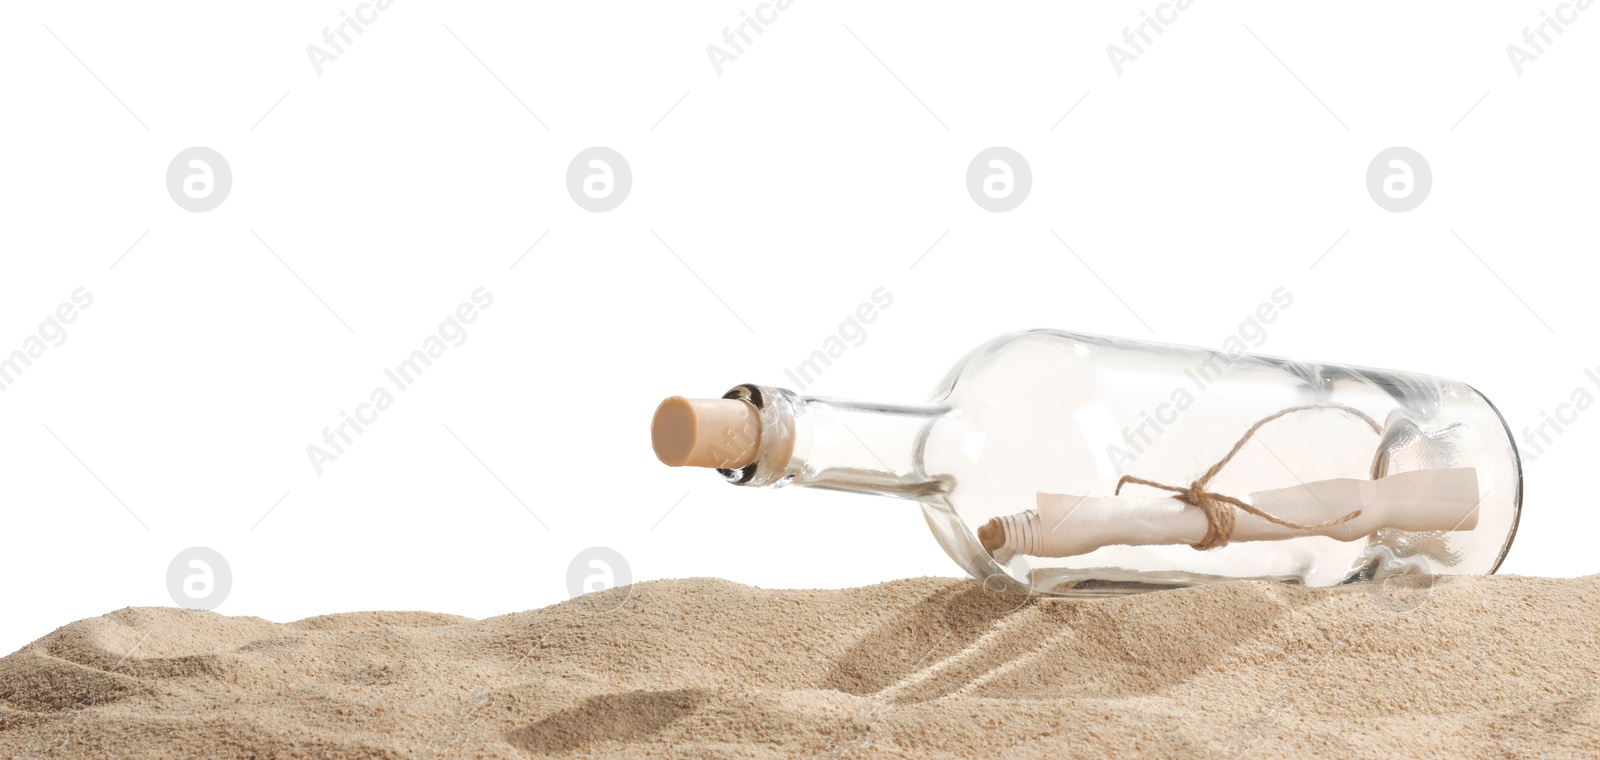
[(1077, 465)]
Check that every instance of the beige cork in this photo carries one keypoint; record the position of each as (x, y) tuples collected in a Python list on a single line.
[(706, 432)]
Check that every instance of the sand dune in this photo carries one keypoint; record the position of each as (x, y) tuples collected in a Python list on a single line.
[(915, 668)]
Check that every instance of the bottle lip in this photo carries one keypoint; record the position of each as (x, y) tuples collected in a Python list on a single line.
[(775, 408)]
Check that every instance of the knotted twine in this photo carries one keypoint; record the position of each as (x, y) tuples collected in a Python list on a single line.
[(1220, 509)]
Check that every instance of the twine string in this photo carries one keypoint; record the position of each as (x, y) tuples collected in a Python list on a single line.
[(1221, 510)]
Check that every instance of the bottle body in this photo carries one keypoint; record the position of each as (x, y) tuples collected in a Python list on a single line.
[(1093, 441)]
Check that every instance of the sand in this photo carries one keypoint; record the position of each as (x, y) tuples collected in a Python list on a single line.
[(916, 668)]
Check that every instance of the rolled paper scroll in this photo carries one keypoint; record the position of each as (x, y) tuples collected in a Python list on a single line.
[(1066, 525)]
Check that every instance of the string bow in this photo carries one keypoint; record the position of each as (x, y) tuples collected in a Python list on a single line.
[(1221, 510)]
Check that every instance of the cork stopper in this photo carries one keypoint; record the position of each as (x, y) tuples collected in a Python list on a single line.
[(706, 432)]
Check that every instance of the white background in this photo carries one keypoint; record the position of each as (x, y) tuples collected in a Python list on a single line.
[(789, 187)]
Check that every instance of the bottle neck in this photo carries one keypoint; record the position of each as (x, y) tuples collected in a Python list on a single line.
[(839, 444)]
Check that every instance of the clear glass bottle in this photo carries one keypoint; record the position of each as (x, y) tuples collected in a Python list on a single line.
[(1076, 465)]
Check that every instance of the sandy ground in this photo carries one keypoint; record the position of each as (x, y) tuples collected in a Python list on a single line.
[(1494, 666)]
